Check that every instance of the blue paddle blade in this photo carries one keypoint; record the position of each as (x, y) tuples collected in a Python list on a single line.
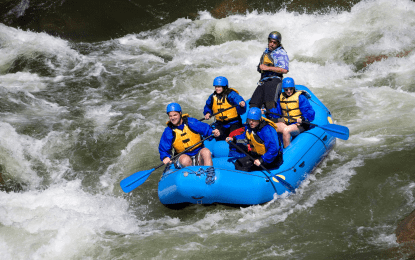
[(337, 131), (283, 182), (133, 181)]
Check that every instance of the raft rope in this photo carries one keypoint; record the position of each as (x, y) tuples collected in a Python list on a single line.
[(319, 138), (209, 172), (210, 175)]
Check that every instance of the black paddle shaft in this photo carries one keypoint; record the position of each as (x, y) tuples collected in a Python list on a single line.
[(337, 131), (292, 118), (187, 149), (133, 181), (217, 113), (283, 182)]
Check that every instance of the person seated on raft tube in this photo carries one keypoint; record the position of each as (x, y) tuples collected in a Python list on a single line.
[(273, 64), (293, 104), (263, 143), (181, 132), (222, 98)]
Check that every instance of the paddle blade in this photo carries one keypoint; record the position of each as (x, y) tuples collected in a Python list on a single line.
[(133, 181), (337, 131), (283, 182)]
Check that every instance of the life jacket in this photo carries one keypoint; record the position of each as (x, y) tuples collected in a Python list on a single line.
[(257, 144), (184, 138), (290, 106), (267, 59), (220, 103)]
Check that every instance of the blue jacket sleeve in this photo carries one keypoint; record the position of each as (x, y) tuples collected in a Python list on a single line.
[(306, 109), (274, 111), (208, 106), (270, 137), (166, 142), (234, 98), (199, 127)]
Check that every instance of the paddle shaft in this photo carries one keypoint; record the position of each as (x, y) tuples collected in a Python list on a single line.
[(338, 131), (134, 180), (189, 148), (185, 150), (217, 113), (292, 118), (283, 182)]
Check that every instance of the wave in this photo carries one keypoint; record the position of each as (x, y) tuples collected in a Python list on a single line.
[(93, 20)]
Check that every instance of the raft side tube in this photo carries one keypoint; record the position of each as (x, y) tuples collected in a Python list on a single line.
[(229, 187)]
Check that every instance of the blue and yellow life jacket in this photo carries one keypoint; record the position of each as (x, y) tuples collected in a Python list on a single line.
[(220, 103), (290, 106), (257, 143), (184, 138), (267, 60)]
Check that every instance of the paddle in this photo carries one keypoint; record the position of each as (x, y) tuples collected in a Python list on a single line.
[(136, 179), (337, 131), (283, 182), (216, 113)]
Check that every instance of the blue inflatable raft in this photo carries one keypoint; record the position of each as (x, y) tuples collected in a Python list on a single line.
[(225, 185)]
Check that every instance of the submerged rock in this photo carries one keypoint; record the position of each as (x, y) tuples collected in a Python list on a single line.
[(229, 7), (405, 232), (405, 236), (374, 58)]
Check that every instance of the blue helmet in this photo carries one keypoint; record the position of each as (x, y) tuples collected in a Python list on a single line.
[(275, 35), (220, 81), (288, 83), (254, 113), (173, 107)]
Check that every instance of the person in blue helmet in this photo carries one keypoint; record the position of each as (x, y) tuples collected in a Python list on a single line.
[(295, 108), (182, 132), (274, 63), (222, 99), (263, 143)]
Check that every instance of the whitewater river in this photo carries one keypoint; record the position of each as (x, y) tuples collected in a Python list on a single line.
[(78, 117)]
